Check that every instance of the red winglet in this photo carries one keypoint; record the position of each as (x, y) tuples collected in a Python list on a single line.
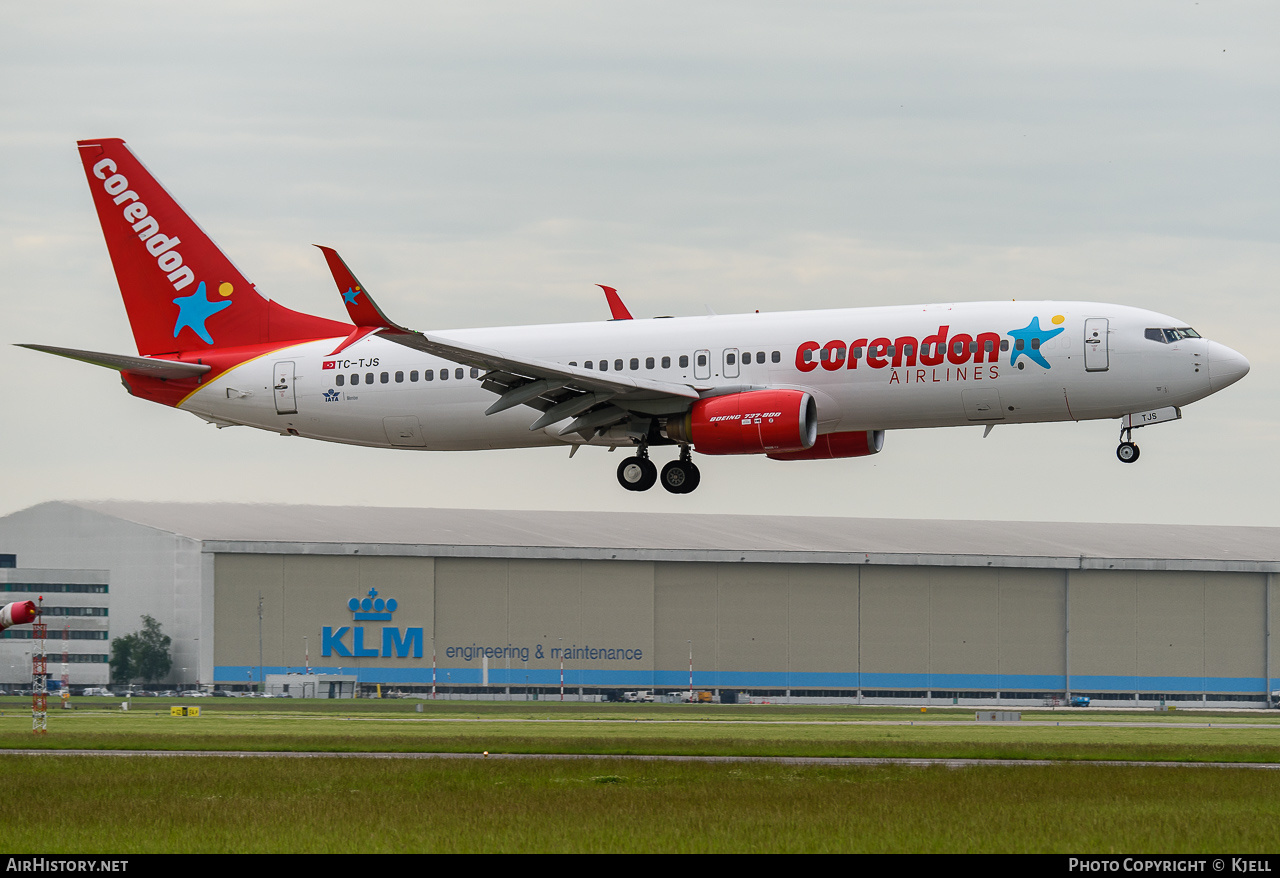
[(364, 312), (618, 309)]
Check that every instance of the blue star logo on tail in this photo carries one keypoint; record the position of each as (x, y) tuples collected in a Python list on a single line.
[(194, 310), (1028, 334), (350, 295)]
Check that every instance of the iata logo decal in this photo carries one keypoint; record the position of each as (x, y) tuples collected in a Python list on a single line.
[(332, 395), (935, 358)]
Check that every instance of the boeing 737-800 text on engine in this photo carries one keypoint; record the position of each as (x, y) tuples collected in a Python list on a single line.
[(802, 385)]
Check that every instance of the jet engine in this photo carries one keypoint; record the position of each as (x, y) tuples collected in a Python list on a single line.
[(752, 422), (856, 443)]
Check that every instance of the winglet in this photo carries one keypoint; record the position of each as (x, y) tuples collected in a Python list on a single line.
[(616, 307), (364, 312)]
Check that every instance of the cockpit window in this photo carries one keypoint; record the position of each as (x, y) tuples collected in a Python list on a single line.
[(1169, 335)]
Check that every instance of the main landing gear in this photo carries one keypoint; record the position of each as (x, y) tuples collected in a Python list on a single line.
[(1127, 451), (639, 473)]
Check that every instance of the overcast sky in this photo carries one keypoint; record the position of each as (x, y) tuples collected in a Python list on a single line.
[(485, 164)]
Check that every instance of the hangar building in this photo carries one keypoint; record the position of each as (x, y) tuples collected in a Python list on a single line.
[(970, 612)]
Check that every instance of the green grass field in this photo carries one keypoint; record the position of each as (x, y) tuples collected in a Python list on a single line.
[(330, 804)]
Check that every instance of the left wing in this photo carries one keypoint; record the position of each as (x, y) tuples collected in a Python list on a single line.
[(594, 400)]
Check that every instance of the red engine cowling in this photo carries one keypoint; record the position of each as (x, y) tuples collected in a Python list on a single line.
[(17, 613), (829, 446), (758, 421)]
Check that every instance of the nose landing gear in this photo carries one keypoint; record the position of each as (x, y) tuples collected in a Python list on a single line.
[(1127, 451)]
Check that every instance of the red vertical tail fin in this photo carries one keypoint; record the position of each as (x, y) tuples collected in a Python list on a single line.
[(182, 294)]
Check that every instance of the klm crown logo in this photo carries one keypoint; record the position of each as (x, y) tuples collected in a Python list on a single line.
[(372, 608)]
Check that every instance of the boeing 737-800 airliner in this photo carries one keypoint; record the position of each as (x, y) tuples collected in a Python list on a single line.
[(801, 385)]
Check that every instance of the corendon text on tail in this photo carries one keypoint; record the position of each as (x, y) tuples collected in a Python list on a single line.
[(801, 385)]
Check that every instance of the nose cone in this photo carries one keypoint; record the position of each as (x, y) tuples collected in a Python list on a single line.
[(1226, 366)]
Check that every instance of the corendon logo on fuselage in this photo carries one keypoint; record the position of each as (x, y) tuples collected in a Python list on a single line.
[(945, 357), (193, 310)]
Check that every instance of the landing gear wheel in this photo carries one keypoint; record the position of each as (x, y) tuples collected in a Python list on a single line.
[(681, 476), (1127, 452), (637, 474)]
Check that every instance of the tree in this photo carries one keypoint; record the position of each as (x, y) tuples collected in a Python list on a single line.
[(143, 654)]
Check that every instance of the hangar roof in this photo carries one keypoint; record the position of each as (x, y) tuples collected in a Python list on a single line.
[(266, 528)]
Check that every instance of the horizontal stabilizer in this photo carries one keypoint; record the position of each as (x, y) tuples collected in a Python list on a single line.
[(124, 363)]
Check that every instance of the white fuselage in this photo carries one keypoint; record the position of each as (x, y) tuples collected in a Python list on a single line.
[(375, 392)]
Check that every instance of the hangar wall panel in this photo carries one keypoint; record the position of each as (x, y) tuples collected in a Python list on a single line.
[(894, 634), (964, 624), (472, 606), (1170, 630), (1104, 619), (752, 613), (1235, 631), (239, 580), (685, 608), (1033, 631), (822, 628)]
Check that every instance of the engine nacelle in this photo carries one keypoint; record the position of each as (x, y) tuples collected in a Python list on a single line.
[(754, 422), (858, 443), (17, 613)]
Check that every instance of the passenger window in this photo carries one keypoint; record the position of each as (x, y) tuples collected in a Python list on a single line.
[(648, 362), (573, 362), (384, 378), (730, 359), (1021, 343), (355, 379), (759, 357), (587, 365), (635, 363), (428, 375), (777, 356), (1004, 344), (413, 376), (666, 362), (399, 378), (444, 374), (604, 365), (457, 373), (339, 380), (617, 365), (1035, 344), (368, 377), (475, 373), (684, 361)]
